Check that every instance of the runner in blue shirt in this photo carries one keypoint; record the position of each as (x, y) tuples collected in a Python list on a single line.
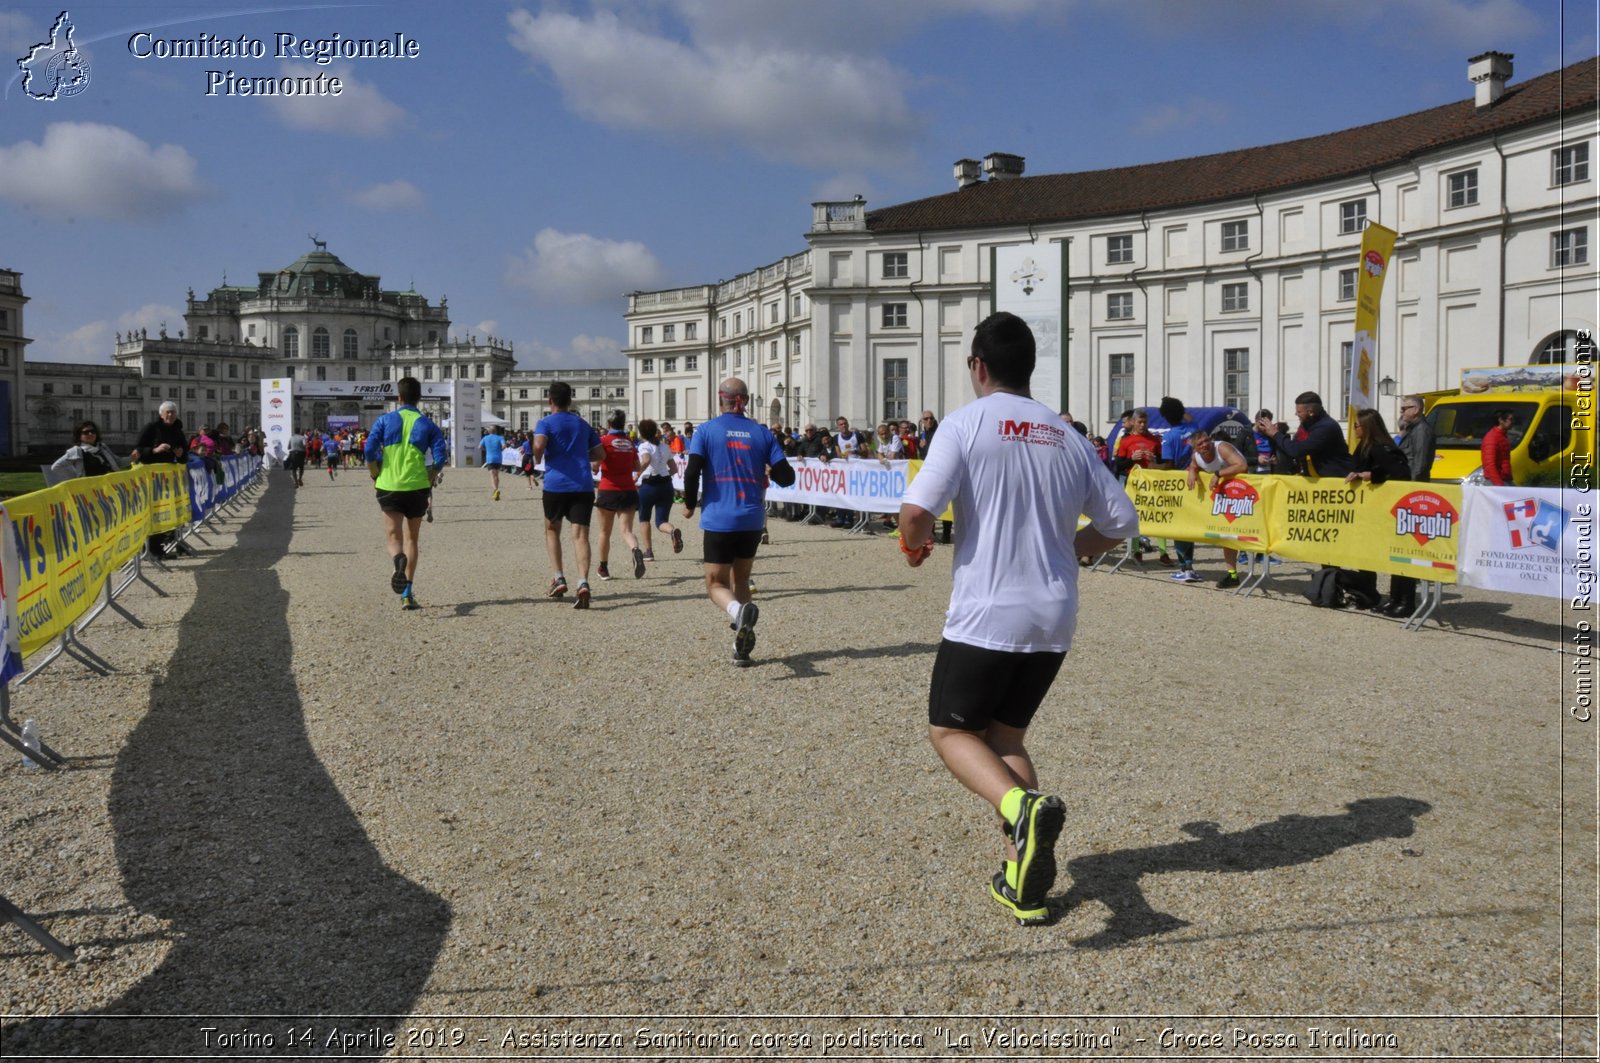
[(330, 453), (733, 454), (566, 443), (493, 445)]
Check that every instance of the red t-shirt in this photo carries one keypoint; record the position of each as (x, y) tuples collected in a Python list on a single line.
[(1148, 446), (616, 468)]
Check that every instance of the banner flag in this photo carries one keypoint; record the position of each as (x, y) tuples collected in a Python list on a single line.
[(1377, 245), (10, 626), (1402, 528), (1030, 280), (1235, 517), (864, 485), (1529, 541)]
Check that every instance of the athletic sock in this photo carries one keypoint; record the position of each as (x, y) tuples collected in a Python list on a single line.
[(733, 610), (1011, 803)]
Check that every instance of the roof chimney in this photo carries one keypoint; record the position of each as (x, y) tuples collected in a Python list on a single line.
[(967, 171), (1489, 73), (1002, 167)]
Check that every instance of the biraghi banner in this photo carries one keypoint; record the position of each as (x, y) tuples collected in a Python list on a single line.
[(1377, 244)]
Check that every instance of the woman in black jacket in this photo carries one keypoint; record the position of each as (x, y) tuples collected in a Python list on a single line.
[(1378, 460), (162, 442)]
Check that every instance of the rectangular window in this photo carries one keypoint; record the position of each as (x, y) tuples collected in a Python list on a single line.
[(233, 370), (5, 321), (896, 264), (202, 333), (1570, 165), (477, 370), (1347, 284), (350, 373), (1119, 250), (322, 373), (896, 388), (252, 330), (894, 315), (522, 420), (647, 334), (47, 389), (722, 328), (1120, 385), (669, 403), (1236, 235), (691, 330), (772, 313), (188, 393), (1353, 216), (211, 394), (772, 351), (522, 393), (130, 421), (594, 393), (669, 365), (1119, 306), (427, 372), (1570, 247), (105, 389), (794, 307), (1346, 353), (172, 368), (668, 333), (1236, 380), (647, 366), (445, 370), (691, 362), (188, 369), (738, 323), (77, 389), (233, 394), (1464, 188), (1235, 297)]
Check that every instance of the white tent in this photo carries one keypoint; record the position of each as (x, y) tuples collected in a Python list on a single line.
[(484, 418)]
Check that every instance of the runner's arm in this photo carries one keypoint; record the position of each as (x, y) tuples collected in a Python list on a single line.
[(691, 483), (781, 474)]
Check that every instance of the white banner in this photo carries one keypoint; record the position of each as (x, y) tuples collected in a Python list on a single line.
[(860, 484), (1528, 540), (1028, 282)]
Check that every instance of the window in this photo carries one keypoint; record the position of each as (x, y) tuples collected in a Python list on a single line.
[(894, 315), (669, 403), (1353, 216), (172, 368), (794, 307), (1347, 284), (77, 389), (211, 394), (1236, 235), (722, 328), (1120, 381), (772, 351), (350, 372), (1119, 306), (202, 333), (427, 372), (291, 344), (77, 413), (1119, 250), (647, 334), (895, 388), (669, 365), (352, 344), (1236, 379), (433, 335), (1346, 353), (5, 321), (668, 333), (522, 420), (1570, 165), (1569, 247), (188, 369), (691, 362), (647, 366), (252, 330), (172, 393), (477, 371), (133, 391), (155, 393), (794, 346), (738, 323), (772, 313), (188, 393), (233, 370), (47, 389), (522, 393), (445, 371), (105, 389), (320, 343), (896, 264), (1464, 188), (322, 373), (1556, 350), (1235, 297), (691, 330), (130, 421), (233, 394)]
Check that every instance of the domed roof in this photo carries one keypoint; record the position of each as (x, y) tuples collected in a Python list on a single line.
[(319, 272)]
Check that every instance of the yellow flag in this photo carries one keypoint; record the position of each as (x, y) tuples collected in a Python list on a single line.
[(1377, 245)]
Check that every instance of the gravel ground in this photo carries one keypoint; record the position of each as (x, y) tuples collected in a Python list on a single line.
[(299, 821)]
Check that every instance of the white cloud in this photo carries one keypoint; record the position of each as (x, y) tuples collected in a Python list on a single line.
[(96, 340), (583, 270), (581, 352), (842, 187), (1193, 111), (784, 104), (484, 329), (359, 109), (84, 168), (18, 33), (389, 196)]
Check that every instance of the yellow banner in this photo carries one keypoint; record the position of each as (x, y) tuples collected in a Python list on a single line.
[(1377, 245), (1235, 516), (70, 537), (913, 467), (1402, 528)]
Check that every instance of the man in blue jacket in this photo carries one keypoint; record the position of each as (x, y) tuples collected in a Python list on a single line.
[(404, 452)]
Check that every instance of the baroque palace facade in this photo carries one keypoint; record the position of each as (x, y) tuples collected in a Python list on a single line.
[(315, 320), (1227, 279)]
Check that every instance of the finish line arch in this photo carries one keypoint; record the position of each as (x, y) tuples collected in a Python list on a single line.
[(465, 398)]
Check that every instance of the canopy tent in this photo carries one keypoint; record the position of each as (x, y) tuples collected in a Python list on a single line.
[(484, 418)]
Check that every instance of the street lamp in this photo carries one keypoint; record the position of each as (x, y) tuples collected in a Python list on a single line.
[(1386, 387)]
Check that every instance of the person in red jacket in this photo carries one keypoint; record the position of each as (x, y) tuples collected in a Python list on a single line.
[(1497, 449)]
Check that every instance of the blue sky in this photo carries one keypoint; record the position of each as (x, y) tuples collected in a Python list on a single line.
[(536, 161)]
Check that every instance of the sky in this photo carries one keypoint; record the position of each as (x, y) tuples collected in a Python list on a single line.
[(534, 162)]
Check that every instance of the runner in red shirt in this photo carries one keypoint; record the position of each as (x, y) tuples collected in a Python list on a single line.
[(619, 492)]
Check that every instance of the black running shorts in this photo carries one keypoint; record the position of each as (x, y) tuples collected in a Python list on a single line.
[(296, 459), (724, 548), (410, 504), (574, 506), (617, 501), (973, 687)]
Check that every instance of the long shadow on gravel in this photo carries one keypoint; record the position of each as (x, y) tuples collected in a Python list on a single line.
[(1113, 878), (228, 826)]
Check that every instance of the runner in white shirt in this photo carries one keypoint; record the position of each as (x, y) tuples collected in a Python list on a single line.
[(1019, 478)]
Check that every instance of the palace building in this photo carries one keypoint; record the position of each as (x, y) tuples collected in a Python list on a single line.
[(1227, 279)]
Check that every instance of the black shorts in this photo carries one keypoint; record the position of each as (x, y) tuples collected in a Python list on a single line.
[(410, 504), (617, 501), (973, 687), (296, 459), (724, 548), (333, 458), (574, 506)]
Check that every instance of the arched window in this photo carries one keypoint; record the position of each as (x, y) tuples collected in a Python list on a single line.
[(352, 346), (291, 342), (319, 342), (1556, 349)]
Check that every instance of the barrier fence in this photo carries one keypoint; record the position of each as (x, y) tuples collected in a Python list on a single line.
[(68, 552)]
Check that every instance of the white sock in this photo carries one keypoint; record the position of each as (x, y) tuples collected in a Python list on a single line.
[(733, 609)]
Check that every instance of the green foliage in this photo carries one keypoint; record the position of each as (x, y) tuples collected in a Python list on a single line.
[(20, 483)]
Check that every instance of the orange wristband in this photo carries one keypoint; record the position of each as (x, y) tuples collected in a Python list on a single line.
[(922, 551)]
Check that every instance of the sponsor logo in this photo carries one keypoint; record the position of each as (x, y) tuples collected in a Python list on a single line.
[(55, 69), (371, 389), (1373, 264), (276, 402), (1236, 499), (277, 429), (1533, 524), (1043, 433), (1424, 516)]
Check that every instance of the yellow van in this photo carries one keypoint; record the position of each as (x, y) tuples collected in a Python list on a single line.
[(1552, 437)]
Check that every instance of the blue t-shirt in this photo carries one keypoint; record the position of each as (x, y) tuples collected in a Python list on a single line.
[(1175, 446), (494, 445), (568, 439), (737, 452)]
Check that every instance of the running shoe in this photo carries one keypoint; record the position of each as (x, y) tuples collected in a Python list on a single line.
[(1025, 915), (604, 571), (1034, 832), (638, 563), (766, 540), (744, 639), (1229, 579), (398, 582), (677, 541), (558, 588), (649, 555), (430, 511), (1180, 576), (497, 494), (408, 600), (582, 601), (1166, 562)]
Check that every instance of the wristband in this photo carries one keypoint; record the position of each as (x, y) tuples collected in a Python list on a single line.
[(925, 550)]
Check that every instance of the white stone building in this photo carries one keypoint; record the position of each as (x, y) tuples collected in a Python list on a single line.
[(522, 396), (1227, 279), (12, 343)]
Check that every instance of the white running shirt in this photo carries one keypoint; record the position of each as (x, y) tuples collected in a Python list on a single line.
[(1019, 477)]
